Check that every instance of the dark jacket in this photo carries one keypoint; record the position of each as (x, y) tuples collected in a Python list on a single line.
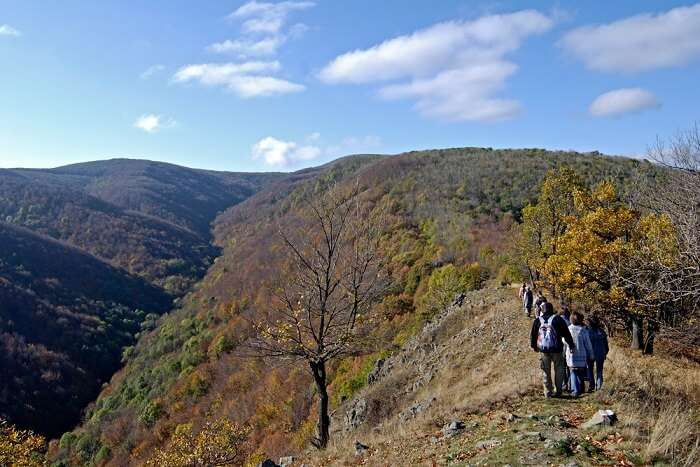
[(560, 328), (600, 343), (527, 299)]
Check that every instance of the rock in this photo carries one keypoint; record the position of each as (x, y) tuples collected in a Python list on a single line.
[(549, 443), (532, 416), (459, 299), (268, 463), (570, 464), (360, 448), (433, 440), (532, 435), (453, 428), (487, 444), (601, 418), (373, 375), (511, 417), (414, 410), (556, 421), (286, 461), (356, 413)]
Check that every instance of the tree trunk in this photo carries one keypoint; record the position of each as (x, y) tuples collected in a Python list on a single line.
[(324, 422), (637, 333), (651, 333)]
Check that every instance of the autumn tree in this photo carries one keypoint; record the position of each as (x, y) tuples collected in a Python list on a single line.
[(545, 221), (322, 309), (20, 448), (218, 443)]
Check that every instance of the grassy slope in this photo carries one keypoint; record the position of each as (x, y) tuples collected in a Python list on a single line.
[(447, 206), (480, 370)]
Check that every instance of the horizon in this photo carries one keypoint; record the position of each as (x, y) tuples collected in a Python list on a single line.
[(257, 86), (290, 171)]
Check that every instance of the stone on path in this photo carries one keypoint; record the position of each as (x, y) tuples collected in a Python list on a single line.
[(601, 418)]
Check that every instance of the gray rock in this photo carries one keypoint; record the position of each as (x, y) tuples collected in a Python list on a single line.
[(601, 418), (533, 435), (414, 410), (511, 417), (453, 428), (356, 413), (374, 375), (488, 444), (549, 443), (360, 448), (286, 461), (571, 464)]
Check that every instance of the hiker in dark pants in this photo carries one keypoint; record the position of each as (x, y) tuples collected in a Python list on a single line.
[(546, 338), (599, 341), (527, 301)]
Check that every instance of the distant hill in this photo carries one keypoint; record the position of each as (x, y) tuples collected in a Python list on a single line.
[(446, 207), (90, 255), (150, 218)]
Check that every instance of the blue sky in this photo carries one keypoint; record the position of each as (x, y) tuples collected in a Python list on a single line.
[(236, 85)]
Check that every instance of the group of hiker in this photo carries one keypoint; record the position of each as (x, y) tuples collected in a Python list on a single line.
[(574, 346)]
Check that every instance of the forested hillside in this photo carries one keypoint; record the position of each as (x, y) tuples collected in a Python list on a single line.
[(64, 318), (90, 256), (448, 218)]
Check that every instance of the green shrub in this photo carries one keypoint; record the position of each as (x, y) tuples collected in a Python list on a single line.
[(67, 440)]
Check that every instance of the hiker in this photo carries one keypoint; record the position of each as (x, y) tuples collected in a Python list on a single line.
[(521, 291), (527, 301), (566, 314), (546, 337), (578, 357), (599, 341), (539, 302)]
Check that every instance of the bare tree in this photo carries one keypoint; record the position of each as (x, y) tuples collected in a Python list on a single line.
[(672, 282), (322, 310)]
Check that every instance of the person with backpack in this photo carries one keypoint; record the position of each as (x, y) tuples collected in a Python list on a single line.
[(599, 341), (527, 301), (546, 336), (579, 355), (539, 304)]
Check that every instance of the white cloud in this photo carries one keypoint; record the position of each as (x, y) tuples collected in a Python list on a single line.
[(152, 70), (7, 30), (150, 123), (267, 17), (248, 79), (639, 43), (277, 153), (452, 69), (246, 48), (623, 101), (284, 154)]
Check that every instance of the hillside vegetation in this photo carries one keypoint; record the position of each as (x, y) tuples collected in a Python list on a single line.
[(90, 256), (450, 213), (64, 318)]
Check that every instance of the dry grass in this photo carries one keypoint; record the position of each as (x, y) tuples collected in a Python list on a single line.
[(659, 400), (483, 365)]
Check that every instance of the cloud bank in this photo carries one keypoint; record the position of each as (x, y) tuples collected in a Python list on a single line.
[(248, 79), (623, 101), (453, 70), (639, 43)]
